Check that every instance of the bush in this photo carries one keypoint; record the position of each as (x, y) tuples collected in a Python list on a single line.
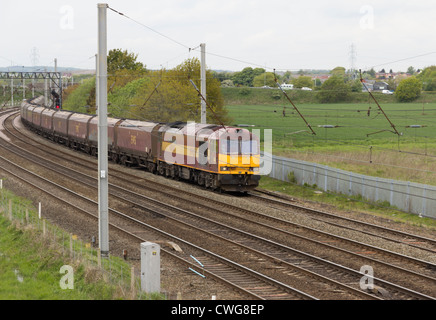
[(244, 92), (408, 90), (334, 90), (78, 98)]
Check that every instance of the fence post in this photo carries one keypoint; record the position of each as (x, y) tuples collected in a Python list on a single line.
[(10, 209), (424, 204), (71, 245), (99, 257), (132, 282), (376, 189), (325, 179), (391, 200)]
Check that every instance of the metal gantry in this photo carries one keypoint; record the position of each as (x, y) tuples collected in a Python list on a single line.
[(55, 79), (54, 76)]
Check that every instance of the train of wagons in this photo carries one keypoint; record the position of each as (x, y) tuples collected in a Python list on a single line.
[(213, 156)]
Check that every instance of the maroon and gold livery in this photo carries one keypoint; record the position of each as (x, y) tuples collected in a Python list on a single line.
[(213, 156)]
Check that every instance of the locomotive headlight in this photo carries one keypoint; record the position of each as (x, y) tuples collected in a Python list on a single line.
[(224, 168)]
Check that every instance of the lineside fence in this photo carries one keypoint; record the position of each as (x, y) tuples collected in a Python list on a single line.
[(407, 196), (113, 270)]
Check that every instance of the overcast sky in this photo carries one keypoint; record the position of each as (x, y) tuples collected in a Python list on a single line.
[(280, 34)]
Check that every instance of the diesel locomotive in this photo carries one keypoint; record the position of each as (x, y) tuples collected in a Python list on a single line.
[(213, 156)]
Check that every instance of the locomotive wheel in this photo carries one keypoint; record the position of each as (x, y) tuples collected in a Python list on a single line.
[(161, 169), (201, 179)]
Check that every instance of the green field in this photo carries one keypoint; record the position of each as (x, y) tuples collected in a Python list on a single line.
[(362, 139)]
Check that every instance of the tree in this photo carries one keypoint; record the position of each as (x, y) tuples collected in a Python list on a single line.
[(264, 79), (303, 81), (356, 86), (122, 68), (338, 71), (334, 89), (287, 76), (371, 72), (176, 99), (118, 60), (409, 89), (227, 83), (246, 76), (411, 70), (428, 78)]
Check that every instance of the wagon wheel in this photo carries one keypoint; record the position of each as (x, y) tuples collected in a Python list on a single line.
[(123, 161), (115, 157), (151, 167)]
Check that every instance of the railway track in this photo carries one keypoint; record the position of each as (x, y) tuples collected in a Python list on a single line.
[(243, 279), (277, 260), (390, 234)]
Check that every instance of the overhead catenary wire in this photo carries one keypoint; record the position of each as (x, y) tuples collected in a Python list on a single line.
[(378, 105), (296, 109), (207, 104), (238, 59), (404, 59), (192, 49), (189, 47), (149, 28)]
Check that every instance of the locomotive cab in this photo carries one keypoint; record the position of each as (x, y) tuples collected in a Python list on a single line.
[(238, 160)]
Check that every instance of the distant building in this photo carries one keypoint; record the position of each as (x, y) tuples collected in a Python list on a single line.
[(322, 77), (376, 86), (368, 85), (287, 86), (380, 86)]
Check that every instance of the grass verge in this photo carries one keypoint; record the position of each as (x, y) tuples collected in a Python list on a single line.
[(38, 261), (30, 270)]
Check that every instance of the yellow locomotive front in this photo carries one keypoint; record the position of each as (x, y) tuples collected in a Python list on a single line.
[(238, 160)]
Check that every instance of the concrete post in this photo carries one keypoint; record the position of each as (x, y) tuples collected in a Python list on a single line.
[(150, 267), (12, 92), (103, 220)]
